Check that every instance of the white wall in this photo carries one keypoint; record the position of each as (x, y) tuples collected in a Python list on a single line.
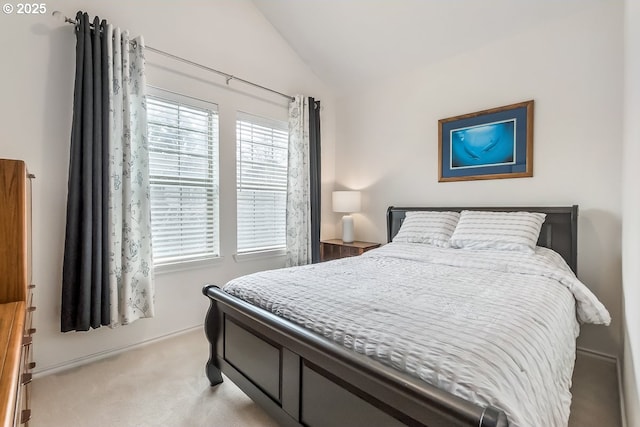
[(630, 218), (36, 86), (572, 68)]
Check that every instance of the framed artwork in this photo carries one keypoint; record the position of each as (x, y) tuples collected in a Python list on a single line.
[(489, 144)]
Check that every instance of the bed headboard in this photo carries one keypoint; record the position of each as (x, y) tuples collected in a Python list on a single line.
[(559, 231)]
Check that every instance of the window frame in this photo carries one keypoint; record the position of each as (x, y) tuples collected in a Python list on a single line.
[(177, 263), (273, 124)]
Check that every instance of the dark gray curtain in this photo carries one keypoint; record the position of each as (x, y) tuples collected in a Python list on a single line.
[(85, 285), (314, 177)]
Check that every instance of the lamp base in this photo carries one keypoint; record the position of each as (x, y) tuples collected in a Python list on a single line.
[(347, 229)]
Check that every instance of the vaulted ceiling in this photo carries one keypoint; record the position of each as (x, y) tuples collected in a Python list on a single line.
[(348, 43)]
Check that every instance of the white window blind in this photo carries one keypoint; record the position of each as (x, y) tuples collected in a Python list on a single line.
[(261, 183), (183, 168)]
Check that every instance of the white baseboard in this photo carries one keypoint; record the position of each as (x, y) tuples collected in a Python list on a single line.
[(599, 355), (104, 354)]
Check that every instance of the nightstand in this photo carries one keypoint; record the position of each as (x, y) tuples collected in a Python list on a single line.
[(336, 248)]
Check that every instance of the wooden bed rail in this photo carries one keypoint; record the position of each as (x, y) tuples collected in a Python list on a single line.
[(232, 323)]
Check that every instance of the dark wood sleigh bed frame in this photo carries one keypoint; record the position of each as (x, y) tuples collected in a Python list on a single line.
[(303, 379)]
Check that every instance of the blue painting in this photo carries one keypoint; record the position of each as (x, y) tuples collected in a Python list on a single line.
[(487, 144)]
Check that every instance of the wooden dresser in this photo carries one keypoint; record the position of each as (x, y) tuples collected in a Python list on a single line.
[(16, 299)]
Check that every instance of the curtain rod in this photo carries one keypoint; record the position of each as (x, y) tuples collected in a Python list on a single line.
[(227, 76)]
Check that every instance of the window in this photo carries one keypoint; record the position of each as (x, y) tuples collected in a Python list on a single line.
[(183, 169), (261, 183)]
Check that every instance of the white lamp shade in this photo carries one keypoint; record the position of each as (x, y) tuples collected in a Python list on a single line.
[(346, 201)]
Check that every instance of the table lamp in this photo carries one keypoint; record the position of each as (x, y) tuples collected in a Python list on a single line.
[(347, 202)]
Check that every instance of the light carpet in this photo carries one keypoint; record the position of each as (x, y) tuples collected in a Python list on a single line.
[(160, 384)]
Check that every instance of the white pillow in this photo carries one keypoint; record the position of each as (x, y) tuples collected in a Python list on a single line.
[(509, 231), (430, 227)]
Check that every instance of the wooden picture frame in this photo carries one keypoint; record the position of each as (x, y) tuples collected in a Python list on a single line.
[(489, 144)]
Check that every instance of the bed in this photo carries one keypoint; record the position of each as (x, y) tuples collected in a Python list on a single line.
[(309, 364)]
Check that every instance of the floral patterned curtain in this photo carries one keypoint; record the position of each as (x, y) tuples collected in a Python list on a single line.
[(298, 194), (130, 263)]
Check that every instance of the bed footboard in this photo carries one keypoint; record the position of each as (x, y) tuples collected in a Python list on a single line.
[(301, 378)]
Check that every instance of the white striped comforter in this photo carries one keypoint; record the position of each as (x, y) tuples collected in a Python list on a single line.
[(492, 327)]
